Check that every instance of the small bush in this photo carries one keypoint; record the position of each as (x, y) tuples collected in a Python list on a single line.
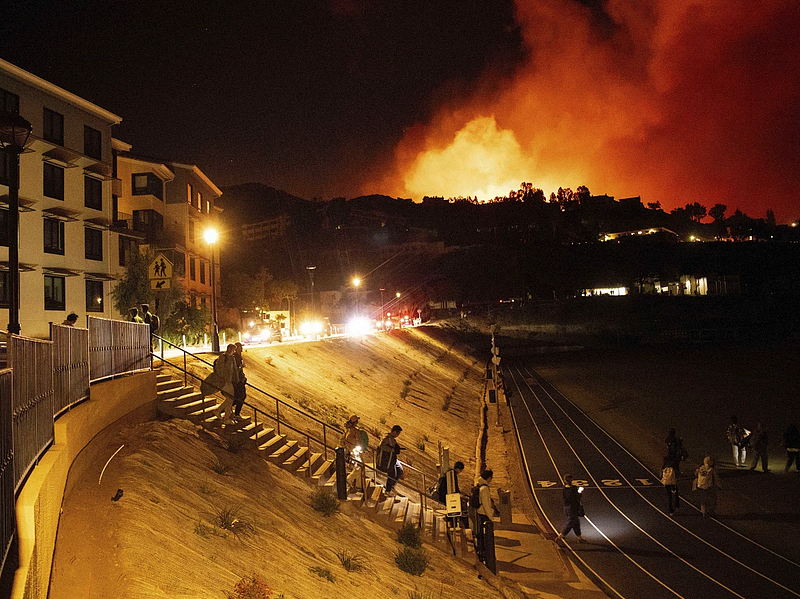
[(218, 466), (324, 502), (409, 535), (268, 360), (250, 587), (341, 380), (411, 560), (323, 573), (227, 518), (205, 489), (201, 530), (352, 562), (421, 445)]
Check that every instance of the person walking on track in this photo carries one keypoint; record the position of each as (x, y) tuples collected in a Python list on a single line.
[(573, 509)]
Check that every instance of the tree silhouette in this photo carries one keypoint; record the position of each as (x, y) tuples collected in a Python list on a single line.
[(654, 205), (717, 212)]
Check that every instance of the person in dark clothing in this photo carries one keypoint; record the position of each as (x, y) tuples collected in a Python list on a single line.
[(791, 441), (388, 451), (458, 468), (670, 482), (760, 443), (675, 451), (240, 388), (573, 509)]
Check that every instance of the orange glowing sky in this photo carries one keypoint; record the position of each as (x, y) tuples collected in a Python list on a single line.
[(697, 100)]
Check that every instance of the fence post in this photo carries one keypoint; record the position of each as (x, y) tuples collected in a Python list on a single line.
[(325, 440), (489, 557), (278, 414), (185, 374), (341, 475), (308, 455), (255, 426)]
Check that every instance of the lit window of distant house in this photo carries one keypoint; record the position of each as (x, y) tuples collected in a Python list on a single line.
[(53, 127), (9, 102), (54, 297), (207, 207), (53, 181), (93, 193), (147, 184), (192, 274), (199, 204), (94, 243), (92, 143), (94, 296), (53, 236), (189, 194), (202, 272)]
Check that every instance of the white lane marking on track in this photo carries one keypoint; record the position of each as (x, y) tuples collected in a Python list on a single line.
[(535, 496), (699, 538), (638, 461), (612, 504)]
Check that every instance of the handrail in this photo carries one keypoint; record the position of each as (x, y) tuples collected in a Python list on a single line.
[(277, 400)]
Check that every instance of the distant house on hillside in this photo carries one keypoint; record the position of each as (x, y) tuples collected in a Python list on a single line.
[(661, 233)]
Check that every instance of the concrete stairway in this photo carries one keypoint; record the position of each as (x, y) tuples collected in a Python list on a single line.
[(177, 400)]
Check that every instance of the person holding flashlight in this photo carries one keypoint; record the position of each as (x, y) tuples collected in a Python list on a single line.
[(573, 509)]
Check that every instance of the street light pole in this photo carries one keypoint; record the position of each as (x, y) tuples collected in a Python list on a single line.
[(356, 283), (211, 239), (14, 132), (311, 270), (383, 311)]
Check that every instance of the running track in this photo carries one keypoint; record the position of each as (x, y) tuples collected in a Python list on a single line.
[(634, 549)]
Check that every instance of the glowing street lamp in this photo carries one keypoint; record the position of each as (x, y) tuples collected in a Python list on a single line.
[(211, 236), (14, 133)]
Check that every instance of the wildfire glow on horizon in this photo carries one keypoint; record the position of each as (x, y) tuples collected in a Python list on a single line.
[(675, 102)]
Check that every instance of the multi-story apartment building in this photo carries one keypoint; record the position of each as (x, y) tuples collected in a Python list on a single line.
[(66, 248), (167, 206)]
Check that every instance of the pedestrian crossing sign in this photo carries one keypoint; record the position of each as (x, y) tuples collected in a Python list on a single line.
[(160, 272)]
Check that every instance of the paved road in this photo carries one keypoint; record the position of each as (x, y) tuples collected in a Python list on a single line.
[(634, 548)]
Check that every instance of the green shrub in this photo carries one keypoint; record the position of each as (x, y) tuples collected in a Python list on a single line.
[(323, 573), (324, 502), (250, 587), (218, 466), (227, 518), (411, 560), (409, 535), (352, 562)]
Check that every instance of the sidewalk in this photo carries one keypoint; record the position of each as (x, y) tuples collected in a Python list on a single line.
[(528, 560)]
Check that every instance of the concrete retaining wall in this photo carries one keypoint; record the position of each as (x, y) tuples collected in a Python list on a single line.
[(118, 402)]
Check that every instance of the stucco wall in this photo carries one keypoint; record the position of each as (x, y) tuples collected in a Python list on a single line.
[(112, 403)]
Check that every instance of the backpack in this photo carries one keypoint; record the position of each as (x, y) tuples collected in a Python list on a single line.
[(704, 479), (475, 496)]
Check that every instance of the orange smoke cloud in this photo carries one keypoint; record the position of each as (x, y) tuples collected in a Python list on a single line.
[(674, 101)]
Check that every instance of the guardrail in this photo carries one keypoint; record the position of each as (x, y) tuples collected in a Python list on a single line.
[(8, 523), (117, 347)]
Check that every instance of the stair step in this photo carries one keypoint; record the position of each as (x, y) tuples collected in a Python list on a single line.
[(191, 407), (174, 392), (373, 495), (167, 385), (440, 526), (427, 524), (321, 473), (384, 507), (296, 459), (160, 378), (264, 435), (272, 444), (412, 513), (205, 414), (398, 515), (279, 455), (183, 396), (310, 465)]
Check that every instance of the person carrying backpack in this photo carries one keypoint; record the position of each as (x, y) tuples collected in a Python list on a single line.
[(481, 502), (676, 452), (150, 319), (670, 481), (388, 451), (707, 482)]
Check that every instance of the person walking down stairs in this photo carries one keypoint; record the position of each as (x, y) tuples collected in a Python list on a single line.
[(388, 451), (222, 380)]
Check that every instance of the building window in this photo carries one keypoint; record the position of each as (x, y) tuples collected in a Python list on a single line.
[(199, 205), (189, 194), (203, 301), (192, 274), (9, 102), (93, 193), (191, 231), (207, 207), (53, 236), (53, 181), (4, 289), (147, 184), (54, 293), (127, 247), (202, 272), (94, 296), (94, 243), (53, 127), (92, 143), (4, 227)]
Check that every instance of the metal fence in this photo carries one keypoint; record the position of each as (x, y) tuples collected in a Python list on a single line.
[(117, 347), (70, 366), (8, 522), (32, 401)]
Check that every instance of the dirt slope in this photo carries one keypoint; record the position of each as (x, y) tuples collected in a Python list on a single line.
[(160, 540)]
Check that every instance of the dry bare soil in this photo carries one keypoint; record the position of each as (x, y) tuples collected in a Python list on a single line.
[(162, 538)]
